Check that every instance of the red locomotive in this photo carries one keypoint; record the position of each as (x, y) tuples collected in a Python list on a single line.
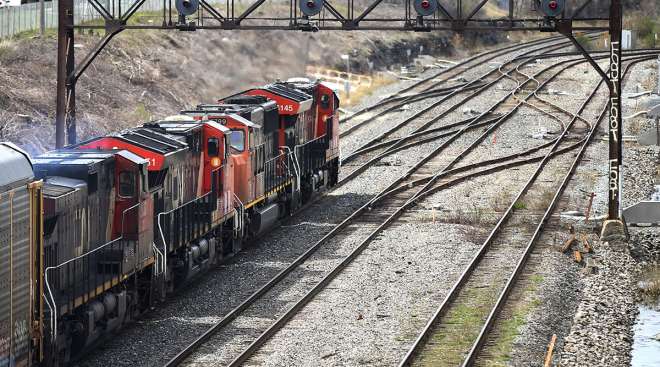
[(109, 225)]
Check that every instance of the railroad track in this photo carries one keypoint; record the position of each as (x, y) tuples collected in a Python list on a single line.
[(390, 204), (477, 288), (415, 130), (430, 87)]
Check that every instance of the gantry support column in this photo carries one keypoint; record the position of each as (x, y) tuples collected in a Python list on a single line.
[(65, 118), (614, 226)]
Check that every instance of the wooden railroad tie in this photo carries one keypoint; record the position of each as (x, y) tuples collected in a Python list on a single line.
[(551, 348), (568, 243)]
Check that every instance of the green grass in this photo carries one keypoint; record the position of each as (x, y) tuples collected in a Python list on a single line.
[(509, 329), (584, 41), (519, 205), (141, 113), (461, 325)]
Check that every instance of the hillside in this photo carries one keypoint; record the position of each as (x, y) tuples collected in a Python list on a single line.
[(143, 75)]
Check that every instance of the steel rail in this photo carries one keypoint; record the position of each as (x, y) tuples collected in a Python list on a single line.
[(422, 94), (283, 319), (460, 64), (462, 88), (234, 313), (558, 45), (420, 134), (436, 118), (481, 338), (453, 293)]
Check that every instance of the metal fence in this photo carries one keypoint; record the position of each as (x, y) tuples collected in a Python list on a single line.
[(27, 17)]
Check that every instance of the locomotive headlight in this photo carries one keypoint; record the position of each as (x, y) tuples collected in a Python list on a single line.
[(311, 4), (425, 4), (215, 162), (552, 5)]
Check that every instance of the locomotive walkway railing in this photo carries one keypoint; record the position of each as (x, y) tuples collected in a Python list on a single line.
[(276, 171), (313, 154), (187, 222), (73, 282)]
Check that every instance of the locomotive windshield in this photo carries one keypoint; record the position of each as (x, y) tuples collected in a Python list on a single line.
[(237, 140)]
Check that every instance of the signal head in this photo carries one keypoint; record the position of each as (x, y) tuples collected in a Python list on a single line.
[(425, 7), (311, 7), (552, 8), (186, 7)]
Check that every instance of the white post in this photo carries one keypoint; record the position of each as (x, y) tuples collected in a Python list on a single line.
[(347, 84)]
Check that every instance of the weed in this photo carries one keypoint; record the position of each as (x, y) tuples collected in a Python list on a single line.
[(519, 205), (646, 30), (536, 278), (141, 113), (584, 41), (7, 50), (542, 200)]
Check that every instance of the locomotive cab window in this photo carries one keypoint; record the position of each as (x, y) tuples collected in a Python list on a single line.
[(213, 147), (127, 184), (237, 140), (325, 101)]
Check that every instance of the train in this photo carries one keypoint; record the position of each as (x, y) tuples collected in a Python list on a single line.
[(95, 234)]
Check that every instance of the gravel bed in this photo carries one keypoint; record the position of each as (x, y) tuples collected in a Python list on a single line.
[(371, 311), (407, 265), (645, 245), (601, 332), (549, 296), (496, 91), (231, 340), (174, 324)]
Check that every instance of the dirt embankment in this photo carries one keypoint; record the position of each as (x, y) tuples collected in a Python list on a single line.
[(143, 75)]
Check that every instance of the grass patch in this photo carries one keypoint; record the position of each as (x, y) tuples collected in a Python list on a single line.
[(509, 329), (584, 41), (460, 327), (646, 27), (650, 284), (141, 113), (508, 332), (356, 95), (519, 205)]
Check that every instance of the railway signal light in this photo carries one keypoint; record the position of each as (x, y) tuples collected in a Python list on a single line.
[(311, 7), (425, 7), (186, 7), (552, 8)]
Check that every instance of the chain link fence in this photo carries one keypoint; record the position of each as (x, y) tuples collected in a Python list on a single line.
[(27, 17)]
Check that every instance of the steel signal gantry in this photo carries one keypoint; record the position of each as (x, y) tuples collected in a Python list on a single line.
[(315, 15)]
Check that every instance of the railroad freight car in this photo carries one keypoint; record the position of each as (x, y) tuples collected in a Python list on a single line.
[(21, 266), (93, 235)]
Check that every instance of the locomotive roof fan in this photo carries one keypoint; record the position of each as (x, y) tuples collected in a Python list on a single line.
[(185, 8)]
